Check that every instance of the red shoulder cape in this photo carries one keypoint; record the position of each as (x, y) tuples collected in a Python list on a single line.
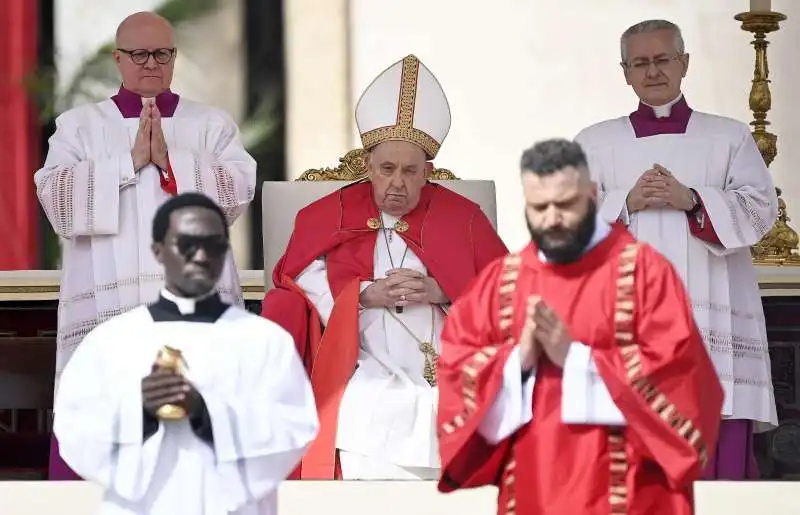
[(450, 235)]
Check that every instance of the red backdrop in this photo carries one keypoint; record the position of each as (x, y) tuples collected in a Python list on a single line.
[(19, 153)]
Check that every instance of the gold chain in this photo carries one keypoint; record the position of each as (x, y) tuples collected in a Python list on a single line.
[(427, 348)]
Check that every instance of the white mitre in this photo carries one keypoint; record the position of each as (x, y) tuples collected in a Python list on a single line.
[(404, 103)]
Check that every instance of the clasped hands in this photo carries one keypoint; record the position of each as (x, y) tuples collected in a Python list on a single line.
[(402, 287), (657, 188), (544, 332), (150, 145), (164, 386)]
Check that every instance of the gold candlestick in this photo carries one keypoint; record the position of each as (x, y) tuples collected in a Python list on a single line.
[(779, 245), (171, 359)]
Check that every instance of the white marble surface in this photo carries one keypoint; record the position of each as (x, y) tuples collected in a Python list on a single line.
[(397, 498)]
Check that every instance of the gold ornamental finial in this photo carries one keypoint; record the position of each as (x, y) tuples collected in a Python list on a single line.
[(779, 245)]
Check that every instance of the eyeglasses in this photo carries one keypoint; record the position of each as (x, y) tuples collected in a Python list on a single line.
[(642, 65), (139, 56), (214, 246)]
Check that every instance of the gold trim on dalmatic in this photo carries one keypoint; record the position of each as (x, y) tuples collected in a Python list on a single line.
[(508, 286), (631, 354), (618, 470), (404, 127)]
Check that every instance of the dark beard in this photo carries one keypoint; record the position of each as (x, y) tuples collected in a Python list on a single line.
[(576, 242)]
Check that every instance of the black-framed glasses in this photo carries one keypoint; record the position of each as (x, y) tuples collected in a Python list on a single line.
[(214, 246), (140, 56)]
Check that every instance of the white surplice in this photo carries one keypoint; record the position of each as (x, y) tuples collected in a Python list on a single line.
[(718, 158), (104, 212), (387, 418), (258, 398)]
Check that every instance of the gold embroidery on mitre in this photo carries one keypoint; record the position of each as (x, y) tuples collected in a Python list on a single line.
[(403, 129), (375, 137), (373, 223), (631, 354), (408, 92)]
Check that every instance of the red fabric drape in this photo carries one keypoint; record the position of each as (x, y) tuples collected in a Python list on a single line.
[(18, 135)]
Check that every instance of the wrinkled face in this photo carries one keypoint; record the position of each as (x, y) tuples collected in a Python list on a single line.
[(654, 68), (398, 170), (143, 73), (193, 252), (560, 210)]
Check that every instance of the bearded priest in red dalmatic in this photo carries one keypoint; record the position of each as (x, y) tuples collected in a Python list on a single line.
[(572, 374), (366, 281)]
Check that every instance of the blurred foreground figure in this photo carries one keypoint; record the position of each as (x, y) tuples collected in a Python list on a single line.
[(189, 405), (572, 374), (695, 187), (377, 264), (111, 164)]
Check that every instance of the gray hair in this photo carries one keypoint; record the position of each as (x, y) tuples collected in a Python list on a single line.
[(646, 27)]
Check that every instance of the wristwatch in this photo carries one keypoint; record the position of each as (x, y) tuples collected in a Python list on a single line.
[(696, 203)]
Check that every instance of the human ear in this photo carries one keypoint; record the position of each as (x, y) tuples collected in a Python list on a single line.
[(158, 251)]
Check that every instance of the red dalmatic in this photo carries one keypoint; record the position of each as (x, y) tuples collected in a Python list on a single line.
[(627, 303), (448, 233)]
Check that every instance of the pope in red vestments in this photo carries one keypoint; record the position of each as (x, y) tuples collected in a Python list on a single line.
[(572, 374), (366, 281)]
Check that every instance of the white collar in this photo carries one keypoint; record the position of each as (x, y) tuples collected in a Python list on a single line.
[(601, 231), (665, 110), (185, 305)]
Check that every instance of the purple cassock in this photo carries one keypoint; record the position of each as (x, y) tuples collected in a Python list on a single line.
[(734, 458), (130, 106)]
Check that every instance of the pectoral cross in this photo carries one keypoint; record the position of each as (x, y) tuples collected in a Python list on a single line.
[(431, 358)]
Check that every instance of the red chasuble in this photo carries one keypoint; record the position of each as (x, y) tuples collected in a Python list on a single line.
[(450, 235), (627, 303)]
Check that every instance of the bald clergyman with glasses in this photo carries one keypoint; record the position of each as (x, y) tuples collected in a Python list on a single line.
[(694, 185), (111, 164)]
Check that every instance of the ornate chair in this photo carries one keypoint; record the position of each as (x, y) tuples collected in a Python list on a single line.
[(281, 200)]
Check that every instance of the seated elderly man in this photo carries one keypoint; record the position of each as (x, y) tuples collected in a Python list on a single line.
[(376, 264)]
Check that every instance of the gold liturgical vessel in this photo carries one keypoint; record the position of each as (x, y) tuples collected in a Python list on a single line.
[(170, 359), (779, 245)]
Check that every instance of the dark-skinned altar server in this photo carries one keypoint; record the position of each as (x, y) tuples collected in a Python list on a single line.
[(189, 405)]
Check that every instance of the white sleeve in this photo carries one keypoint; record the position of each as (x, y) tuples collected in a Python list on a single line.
[(611, 203), (584, 396), (223, 169), (747, 207), (314, 282), (624, 217), (262, 430), (513, 406), (99, 422), (80, 193)]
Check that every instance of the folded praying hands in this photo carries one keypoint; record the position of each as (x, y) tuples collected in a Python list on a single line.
[(543, 332), (150, 145), (403, 287), (657, 188)]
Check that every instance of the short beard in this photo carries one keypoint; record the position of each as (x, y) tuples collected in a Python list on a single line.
[(577, 241)]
